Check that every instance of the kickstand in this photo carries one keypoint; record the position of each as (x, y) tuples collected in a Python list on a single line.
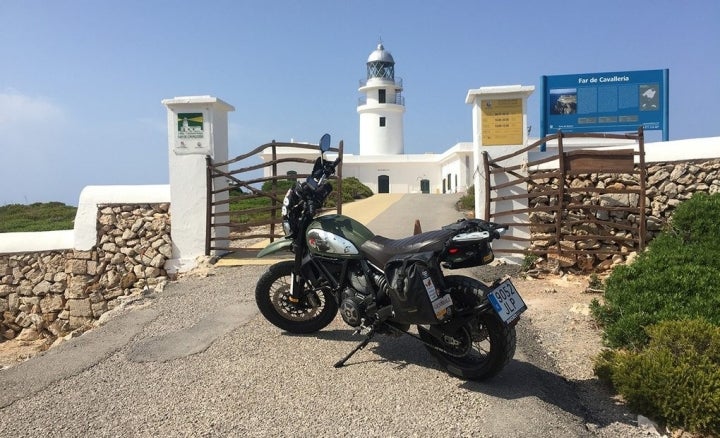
[(359, 347)]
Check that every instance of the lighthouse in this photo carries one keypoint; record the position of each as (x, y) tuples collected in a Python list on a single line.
[(381, 107)]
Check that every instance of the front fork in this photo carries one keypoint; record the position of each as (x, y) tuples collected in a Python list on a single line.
[(300, 277), (296, 277)]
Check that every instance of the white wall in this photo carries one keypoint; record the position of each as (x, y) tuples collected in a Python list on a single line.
[(405, 171), (84, 234)]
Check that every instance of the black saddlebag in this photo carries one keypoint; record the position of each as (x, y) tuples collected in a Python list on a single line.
[(415, 288)]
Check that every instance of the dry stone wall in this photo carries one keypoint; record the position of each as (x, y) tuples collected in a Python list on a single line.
[(667, 185), (49, 294)]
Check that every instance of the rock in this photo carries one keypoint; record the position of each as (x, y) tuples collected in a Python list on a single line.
[(28, 334), (52, 303), (80, 308), (128, 280), (42, 288)]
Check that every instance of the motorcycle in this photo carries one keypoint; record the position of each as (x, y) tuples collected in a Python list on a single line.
[(381, 285)]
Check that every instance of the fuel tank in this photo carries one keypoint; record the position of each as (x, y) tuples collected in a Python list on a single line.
[(338, 236)]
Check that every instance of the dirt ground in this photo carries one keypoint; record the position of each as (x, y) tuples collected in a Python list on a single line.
[(557, 307)]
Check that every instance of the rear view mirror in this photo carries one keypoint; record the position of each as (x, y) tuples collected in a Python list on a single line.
[(325, 143)]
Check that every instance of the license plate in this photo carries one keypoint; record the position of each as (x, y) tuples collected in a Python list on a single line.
[(507, 302)]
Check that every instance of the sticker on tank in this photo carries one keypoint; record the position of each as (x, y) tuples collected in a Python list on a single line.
[(329, 243)]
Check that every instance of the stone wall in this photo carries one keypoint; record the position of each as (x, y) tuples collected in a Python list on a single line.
[(49, 294), (667, 185)]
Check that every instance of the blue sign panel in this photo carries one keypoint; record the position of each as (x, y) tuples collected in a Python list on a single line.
[(604, 102)]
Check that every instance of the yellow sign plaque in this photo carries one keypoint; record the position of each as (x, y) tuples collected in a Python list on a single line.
[(502, 122)]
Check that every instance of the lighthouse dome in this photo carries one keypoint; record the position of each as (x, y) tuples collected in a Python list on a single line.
[(381, 55)]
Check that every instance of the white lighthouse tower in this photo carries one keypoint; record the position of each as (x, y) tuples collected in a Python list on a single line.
[(381, 107)]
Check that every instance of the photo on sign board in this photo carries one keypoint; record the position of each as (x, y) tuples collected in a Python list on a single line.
[(563, 101)]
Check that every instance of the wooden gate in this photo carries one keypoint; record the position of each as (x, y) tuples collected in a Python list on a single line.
[(249, 211), (571, 211)]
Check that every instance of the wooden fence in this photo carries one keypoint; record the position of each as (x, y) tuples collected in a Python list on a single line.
[(572, 212), (241, 189)]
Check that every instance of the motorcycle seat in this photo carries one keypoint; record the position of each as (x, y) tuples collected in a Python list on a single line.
[(379, 249)]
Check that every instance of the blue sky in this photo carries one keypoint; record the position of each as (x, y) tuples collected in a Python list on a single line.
[(81, 81)]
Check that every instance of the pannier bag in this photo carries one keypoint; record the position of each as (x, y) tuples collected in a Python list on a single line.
[(415, 289)]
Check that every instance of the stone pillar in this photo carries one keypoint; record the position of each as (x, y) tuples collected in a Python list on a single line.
[(197, 128), (499, 128)]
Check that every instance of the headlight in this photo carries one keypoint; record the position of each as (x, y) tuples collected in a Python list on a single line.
[(290, 213)]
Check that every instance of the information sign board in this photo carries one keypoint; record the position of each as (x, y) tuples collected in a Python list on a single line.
[(605, 102), (502, 122)]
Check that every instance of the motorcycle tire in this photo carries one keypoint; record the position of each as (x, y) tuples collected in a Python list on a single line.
[(481, 348), (272, 295)]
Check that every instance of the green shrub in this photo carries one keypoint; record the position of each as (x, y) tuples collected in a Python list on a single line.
[(529, 262), (467, 202), (676, 278), (676, 379), (353, 189), (697, 220), (281, 185)]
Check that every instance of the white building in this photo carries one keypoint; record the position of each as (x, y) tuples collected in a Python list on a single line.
[(382, 164)]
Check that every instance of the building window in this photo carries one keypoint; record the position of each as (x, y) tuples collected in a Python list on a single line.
[(381, 96), (382, 121)]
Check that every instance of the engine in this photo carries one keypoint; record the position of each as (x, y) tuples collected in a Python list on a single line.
[(359, 298), (356, 299)]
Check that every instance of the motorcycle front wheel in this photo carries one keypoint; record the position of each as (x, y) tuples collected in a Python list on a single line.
[(478, 350), (313, 312)]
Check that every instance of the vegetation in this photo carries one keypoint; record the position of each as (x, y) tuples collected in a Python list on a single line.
[(529, 262), (53, 216), (352, 189), (676, 278), (49, 216), (662, 314), (467, 202), (676, 379)]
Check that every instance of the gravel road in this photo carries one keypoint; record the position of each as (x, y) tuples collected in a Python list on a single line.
[(197, 359)]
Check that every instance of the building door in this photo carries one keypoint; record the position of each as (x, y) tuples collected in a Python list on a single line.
[(383, 184), (425, 185)]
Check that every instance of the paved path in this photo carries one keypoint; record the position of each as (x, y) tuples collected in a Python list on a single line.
[(389, 215), (197, 360)]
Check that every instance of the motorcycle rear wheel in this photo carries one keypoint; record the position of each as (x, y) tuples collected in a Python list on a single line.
[(272, 295), (478, 350)]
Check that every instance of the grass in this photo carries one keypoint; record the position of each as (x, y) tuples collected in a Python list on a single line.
[(52, 216), (40, 216)]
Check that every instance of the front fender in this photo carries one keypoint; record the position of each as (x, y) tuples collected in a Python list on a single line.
[(279, 245)]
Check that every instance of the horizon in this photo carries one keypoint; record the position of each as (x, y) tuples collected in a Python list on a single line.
[(80, 96)]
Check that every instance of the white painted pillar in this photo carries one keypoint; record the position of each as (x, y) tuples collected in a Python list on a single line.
[(197, 128), (499, 128)]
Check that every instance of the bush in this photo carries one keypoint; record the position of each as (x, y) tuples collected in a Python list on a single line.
[(353, 189), (676, 278), (281, 186), (467, 202), (676, 379)]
